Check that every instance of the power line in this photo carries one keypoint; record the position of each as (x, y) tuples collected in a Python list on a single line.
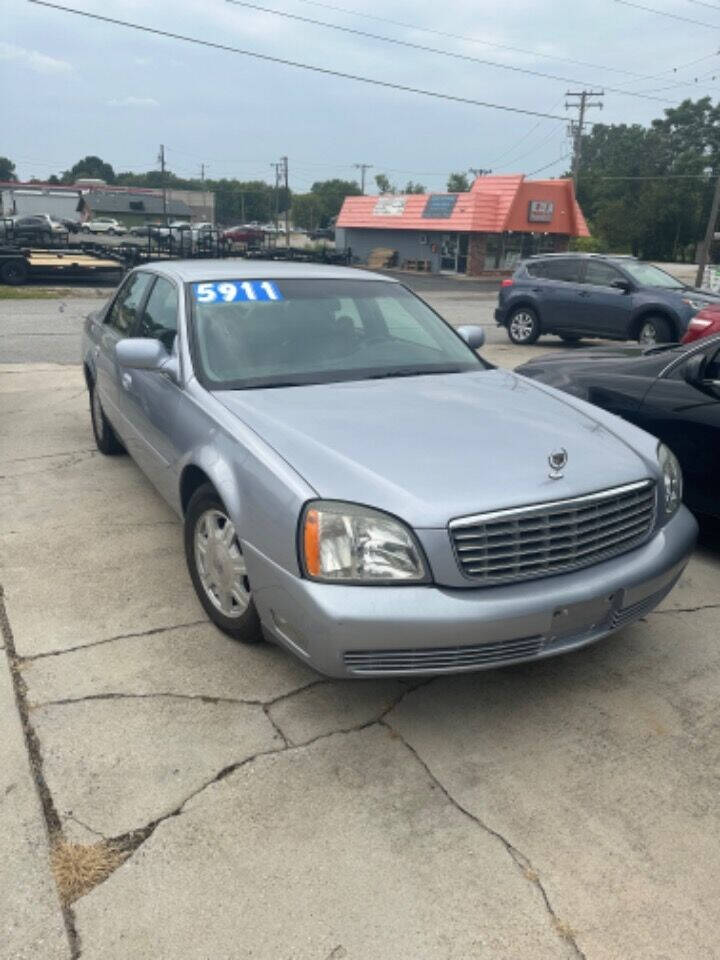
[(455, 36), (443, 53), (551, 164), (294, 63), (671, 16)]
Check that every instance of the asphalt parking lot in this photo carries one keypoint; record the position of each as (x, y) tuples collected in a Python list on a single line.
[(244, 807)]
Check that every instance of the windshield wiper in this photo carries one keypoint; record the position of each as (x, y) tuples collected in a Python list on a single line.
[(404, 372)]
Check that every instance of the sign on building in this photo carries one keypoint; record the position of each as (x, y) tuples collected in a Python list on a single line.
[(389, 206), (540, 211)]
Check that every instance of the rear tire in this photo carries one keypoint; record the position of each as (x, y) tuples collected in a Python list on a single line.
[(217, 567), (105, 437), (14, 272), (523, 326), (654, 330)]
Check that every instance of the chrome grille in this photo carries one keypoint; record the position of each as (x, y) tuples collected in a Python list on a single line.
[(547, 538), (415, 660)]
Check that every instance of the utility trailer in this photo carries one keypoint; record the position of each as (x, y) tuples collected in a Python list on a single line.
[(20, 264)]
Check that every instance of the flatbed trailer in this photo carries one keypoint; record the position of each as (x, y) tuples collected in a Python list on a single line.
[(20, 264)]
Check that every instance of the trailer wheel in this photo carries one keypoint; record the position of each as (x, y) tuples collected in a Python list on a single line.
[(14, 272)]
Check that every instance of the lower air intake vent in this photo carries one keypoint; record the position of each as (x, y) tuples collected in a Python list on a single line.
[(441, 658)]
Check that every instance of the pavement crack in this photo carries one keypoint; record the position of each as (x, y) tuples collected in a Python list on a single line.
[(159, 695), (522, 862), (69, 815), (119, 636), (53, 825), (702, 606), (47, 456)]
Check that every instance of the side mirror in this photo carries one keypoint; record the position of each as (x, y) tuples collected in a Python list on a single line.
[(473, 335), (137, 353), (623, 285), (693, 372)]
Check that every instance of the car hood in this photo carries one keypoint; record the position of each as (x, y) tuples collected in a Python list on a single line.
[(431, 448)]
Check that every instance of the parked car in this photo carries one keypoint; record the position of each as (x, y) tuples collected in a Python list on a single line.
[(104, 225), (592, 295), (143, 230), (36, 229), (704, 324), (671, 391), (322, 233), (72, 226), (243, 234), (399, 546)]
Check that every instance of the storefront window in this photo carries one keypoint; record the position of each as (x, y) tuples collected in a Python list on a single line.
[(504, 251)]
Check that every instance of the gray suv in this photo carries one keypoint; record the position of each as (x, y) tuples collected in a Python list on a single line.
[(592, 295)]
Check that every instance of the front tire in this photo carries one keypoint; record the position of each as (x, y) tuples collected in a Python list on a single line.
[(217, 567), (105, 437), (523, 326), (654, 330), (15, 272)]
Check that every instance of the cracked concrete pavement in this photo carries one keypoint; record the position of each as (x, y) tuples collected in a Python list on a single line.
[(562, 809)]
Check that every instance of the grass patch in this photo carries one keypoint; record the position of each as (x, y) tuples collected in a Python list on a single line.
[(30, 293), (79, 867)]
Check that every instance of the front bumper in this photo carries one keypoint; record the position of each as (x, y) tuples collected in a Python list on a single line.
[(346, 631)]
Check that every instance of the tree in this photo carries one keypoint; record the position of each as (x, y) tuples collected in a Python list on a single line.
[(330, 195), (7, 170), (384, 185), (89, 168), (306, 210), (458, 183), (411, 187), (647, 190)]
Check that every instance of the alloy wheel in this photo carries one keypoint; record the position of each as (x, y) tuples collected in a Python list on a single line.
[(220, 563), (522, 325), (648, 335)]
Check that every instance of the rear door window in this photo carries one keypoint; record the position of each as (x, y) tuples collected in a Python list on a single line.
[(536, 269), (567, 271)]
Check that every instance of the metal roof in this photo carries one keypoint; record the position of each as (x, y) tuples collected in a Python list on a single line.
[(494, 204), (195, 271)]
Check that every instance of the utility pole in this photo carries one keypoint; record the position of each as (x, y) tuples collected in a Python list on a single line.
[(709, 234), (284, 161), (202, 173), (362, 167), (277, 167), (576, 129), (161, 159)]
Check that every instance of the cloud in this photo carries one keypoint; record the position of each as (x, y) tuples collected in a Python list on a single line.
[(33, 59), (144, 103)]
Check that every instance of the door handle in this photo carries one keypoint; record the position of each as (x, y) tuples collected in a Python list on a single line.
[(126, 381)]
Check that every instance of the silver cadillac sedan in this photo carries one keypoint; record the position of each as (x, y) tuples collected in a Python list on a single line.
[(358, 485)]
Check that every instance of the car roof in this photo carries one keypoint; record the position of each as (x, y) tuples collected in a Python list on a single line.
[(582, 256), (193, 271)]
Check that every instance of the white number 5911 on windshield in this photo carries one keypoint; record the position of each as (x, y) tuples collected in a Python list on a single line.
[(228, 291)]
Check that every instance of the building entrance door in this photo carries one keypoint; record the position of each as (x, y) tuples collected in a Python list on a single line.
[(454, 252)]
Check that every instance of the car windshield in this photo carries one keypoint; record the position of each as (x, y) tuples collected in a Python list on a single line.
[(265, 333), (646, 275)]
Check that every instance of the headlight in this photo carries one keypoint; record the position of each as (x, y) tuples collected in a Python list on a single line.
[(346, 543), (672, 479), (695, 304)]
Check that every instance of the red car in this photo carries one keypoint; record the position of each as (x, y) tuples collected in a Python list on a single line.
[(705, 322), (242, 234)]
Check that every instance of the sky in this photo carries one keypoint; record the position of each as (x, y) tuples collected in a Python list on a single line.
[(80, 86)]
